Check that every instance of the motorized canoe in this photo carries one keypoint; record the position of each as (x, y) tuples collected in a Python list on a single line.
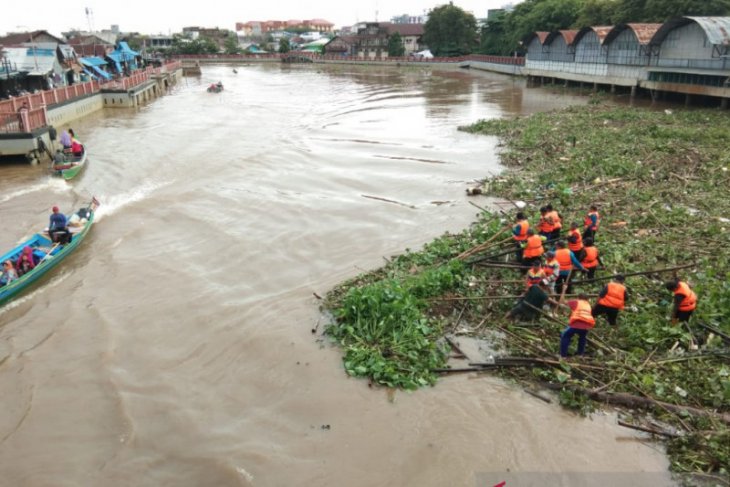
[(71, 166), (47, 254), (215, 88)]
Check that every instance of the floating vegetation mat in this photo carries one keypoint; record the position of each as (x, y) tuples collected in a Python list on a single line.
[(661, 182)]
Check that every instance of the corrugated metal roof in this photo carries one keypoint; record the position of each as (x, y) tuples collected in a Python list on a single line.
[(567, 35), (643, 32), (92, 61), (717, 29), (541, 36), (34, 63), (601, 32)]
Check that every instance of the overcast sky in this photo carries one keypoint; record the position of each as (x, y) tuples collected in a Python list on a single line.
[(154, 17)]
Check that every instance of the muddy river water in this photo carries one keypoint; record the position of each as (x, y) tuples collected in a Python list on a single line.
[(175, 346)]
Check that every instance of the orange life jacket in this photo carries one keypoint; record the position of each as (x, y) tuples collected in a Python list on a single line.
[(690, 298), (534, 247), (546, 224), (557, 222), (588, 223), (524, 226), (582, 312), (578, 245), (590, 260), (563, 258), (549, 267), (614, 297)]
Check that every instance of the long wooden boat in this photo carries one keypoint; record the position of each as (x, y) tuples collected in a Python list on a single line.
[(46, 253), (71, 166)]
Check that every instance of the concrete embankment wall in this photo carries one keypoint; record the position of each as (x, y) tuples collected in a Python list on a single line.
[(61, 115)]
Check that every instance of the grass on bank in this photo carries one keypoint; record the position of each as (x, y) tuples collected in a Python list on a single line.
[(661, 181)]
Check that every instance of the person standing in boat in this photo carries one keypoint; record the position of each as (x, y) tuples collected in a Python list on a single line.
[(58, 227), (65, 140)]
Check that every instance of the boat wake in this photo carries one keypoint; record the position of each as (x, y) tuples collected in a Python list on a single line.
[(56, 280), (113, 203), (54, 184)]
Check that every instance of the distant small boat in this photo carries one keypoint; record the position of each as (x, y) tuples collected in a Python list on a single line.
[(47, 254), (71, 166), (215, 88), (234, 70)]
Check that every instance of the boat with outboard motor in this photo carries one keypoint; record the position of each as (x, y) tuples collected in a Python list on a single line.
[(46, 253)]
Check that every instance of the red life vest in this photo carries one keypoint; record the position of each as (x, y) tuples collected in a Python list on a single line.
[(588, 223), (549, 267), (534, 277), (563, 258), (614, 297), (524, 226), (690, 298), (557, 222), (590, 260), (581, 317), (533, 248), (578, 245)]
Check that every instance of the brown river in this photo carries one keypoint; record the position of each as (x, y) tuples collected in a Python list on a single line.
[(175, 346)]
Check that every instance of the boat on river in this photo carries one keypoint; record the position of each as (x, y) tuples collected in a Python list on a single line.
[(71, 166), (215, 88), (47, 254)]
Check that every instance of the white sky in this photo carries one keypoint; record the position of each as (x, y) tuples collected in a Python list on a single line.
[(154, 17)]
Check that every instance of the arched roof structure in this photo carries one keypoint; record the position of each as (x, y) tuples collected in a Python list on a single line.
[(717, 29)]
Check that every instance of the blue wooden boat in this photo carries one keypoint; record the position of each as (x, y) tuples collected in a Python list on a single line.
[(46, 253)]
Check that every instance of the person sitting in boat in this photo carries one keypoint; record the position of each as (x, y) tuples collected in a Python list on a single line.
[(58, 227), (59, 158), (76, 148), (8, 274), (26, 261)]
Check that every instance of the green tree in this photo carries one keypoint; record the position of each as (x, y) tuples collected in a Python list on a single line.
[(597, 12), (663, 10), (231, 45), (284, 46), (492, 36), (450, 31), (395, 45)]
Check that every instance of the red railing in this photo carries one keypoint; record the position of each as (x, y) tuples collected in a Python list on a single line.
[(23, 120), (518, 61), (13, 119)]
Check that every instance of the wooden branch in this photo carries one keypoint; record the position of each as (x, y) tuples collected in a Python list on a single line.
[(648, 430)]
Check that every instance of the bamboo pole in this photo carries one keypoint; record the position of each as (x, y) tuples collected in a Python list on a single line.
[(488, 298), (634, 274)]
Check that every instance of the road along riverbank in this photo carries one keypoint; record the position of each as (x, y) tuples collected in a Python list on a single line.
[(658, 178)]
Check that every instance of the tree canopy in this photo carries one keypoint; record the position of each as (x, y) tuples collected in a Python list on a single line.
[(450, 31), (395, 45)]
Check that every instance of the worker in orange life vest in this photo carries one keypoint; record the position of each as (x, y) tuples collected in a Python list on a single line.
[(581, 320), (611, 300), (575, 241), (557, 221), (532, 248), (590, 223), (568, 263), (519, 233), (591, 259), (551, 269), (545, 227), (685, 300)]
